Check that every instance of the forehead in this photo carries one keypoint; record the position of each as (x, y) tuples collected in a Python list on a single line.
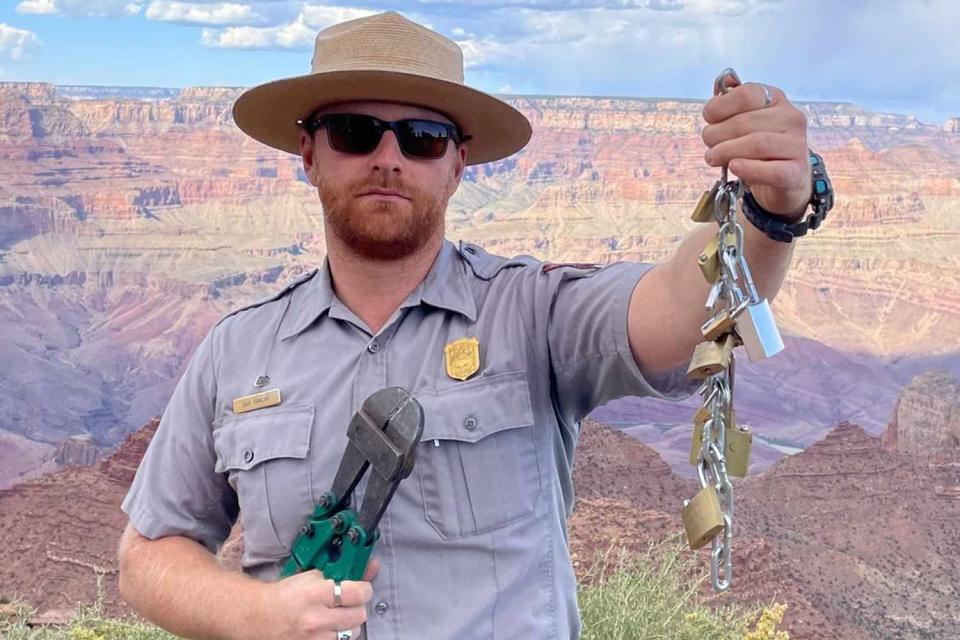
[(384, 110)]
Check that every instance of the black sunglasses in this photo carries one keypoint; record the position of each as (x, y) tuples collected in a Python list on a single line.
[(357, 133)]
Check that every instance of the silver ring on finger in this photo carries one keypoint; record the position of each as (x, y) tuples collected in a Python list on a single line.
[(337, 595), (344, 635), (767, 96)]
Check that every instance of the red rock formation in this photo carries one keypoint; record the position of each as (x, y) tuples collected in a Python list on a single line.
[(926, 420), (60, 531), (78, 451), (865, 533)]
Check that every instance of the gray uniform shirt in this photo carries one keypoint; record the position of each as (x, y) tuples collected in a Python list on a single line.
[(474, 542)]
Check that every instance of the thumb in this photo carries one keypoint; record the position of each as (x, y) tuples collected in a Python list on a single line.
[(373, 566)]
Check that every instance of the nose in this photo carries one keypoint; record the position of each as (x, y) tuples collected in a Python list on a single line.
[(387, 156)]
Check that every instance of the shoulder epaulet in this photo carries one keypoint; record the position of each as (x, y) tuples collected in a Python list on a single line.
[(585, 266), (275, 296), (487, 265)]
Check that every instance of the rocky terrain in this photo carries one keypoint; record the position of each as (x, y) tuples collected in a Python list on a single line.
[(856, 533)]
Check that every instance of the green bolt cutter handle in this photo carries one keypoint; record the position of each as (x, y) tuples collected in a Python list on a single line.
[(336, 540)]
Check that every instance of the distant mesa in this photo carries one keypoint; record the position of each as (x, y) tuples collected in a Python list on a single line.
[(926, 420), (78, 451)]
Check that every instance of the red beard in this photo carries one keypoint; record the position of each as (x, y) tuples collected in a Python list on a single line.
[(380, 229)]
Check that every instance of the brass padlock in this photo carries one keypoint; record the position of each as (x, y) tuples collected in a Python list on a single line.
[(711, 357), (699, 419), (709, 261), (702, 517), (703, 212), (717, 325), (737, 450)]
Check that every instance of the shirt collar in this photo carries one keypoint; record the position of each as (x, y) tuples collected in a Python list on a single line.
[(445, 286)]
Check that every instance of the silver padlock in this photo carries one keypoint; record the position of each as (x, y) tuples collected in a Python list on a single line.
[(758, 330), (756, 326)]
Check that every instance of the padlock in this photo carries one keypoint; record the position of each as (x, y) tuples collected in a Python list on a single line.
[(709, 261), (714, 295), (704, 211), (737, 450), (699, 419), (702, 517), (758, 331), (717, 325), (711, 357)]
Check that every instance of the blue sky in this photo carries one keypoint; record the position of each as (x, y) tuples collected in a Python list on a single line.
[(885, 55)]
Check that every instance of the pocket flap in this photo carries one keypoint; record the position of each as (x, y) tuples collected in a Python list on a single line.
[(474, 409), (245, 440)]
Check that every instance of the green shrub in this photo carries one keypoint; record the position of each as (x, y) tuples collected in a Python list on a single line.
[(88, 623), (655, 596)]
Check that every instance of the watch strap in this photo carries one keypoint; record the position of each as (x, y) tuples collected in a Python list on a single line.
[(821, 200)]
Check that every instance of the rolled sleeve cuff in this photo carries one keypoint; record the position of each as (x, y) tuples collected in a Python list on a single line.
[(674, 384), (153, 526)]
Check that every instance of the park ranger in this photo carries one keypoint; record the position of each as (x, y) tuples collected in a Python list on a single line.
[(504, 355)]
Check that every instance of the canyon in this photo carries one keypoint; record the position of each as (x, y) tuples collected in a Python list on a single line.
[(131, 220)]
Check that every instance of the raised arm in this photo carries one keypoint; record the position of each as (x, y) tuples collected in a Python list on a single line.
[(764, 145)]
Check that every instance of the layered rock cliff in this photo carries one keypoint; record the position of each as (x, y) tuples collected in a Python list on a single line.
[(926, 420), (131, 219)]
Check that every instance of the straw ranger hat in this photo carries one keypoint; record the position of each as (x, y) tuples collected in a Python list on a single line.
[(383, 57)]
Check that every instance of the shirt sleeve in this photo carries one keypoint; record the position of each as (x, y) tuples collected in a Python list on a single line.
[(590, 356), (175, 491)]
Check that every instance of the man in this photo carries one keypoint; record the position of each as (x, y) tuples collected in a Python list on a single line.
[(473, 544)]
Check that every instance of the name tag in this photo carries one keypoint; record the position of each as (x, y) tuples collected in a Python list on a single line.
[(257, 401)]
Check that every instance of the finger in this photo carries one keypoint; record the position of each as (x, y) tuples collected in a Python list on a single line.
[(343, 618), (761, 145), (781, 174), (373, 567), (354, 634), (746, 97), (772, 120), (353, 593)]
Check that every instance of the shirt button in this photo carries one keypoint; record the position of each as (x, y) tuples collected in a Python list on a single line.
[(373, 347), (470, 423), (381, 608), (247, 455)]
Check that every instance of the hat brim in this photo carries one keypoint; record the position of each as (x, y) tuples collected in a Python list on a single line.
[(269, 112)]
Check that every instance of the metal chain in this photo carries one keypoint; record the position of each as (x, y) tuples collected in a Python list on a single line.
[(717, 389)]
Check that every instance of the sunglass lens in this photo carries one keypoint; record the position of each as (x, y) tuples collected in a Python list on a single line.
[(353, 133), (423, 138)]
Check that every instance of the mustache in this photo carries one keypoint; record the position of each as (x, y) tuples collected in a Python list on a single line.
[(386, 184)]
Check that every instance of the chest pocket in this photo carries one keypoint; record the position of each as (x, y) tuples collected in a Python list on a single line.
[(264, 454), (478, 463)]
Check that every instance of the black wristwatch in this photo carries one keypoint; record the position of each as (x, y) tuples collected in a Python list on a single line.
[(821, 199)]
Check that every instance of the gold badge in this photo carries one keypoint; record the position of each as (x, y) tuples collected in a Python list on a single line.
[(463, 358), (257, 401)]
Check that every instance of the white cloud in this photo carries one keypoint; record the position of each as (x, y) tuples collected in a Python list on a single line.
[(14, 42), (217, 13), (480, 51), (300, 33), (321, 16), (88, 8), (37, 6)]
